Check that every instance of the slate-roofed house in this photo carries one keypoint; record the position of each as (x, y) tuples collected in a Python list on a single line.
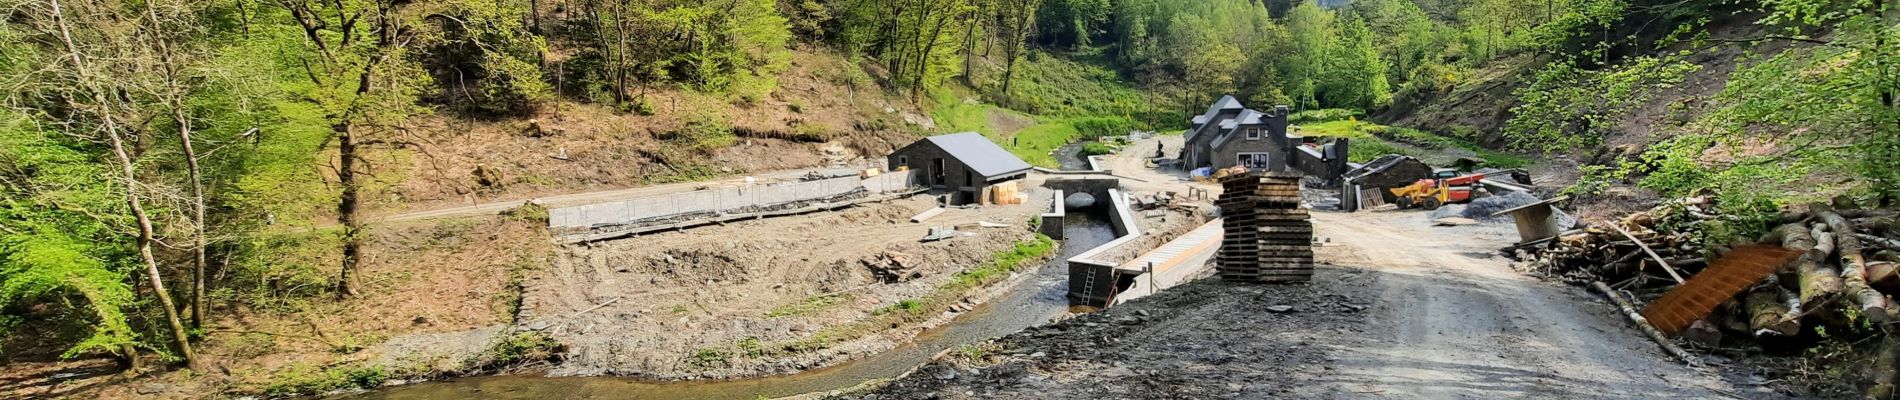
[(964, 164), (1230, 134)]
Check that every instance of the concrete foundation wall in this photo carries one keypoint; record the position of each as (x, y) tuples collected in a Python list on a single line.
[(1052, 222), (1092, 281), (718, 200)]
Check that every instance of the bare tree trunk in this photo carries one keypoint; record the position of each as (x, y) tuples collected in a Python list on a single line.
[(969, 51), (174, 101), (129, 178), (348, 204)]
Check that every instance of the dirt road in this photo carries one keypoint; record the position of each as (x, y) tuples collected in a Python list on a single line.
[(1454, 321), (1404, 310)]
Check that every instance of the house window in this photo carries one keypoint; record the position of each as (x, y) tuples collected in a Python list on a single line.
[(1253, 160), (1253, 133), (903, 161)]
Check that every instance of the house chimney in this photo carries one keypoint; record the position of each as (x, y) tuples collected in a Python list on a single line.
[(1280, 110)]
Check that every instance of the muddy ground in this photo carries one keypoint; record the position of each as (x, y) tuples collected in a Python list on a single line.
[(1401, 310)]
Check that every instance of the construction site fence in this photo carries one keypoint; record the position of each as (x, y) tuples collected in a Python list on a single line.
[(714, 201)]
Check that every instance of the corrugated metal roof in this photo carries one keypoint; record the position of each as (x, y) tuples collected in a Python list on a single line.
[(980, 154)]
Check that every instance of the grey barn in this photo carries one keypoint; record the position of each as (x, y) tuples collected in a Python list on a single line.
[(1230, 134), (963, 164)]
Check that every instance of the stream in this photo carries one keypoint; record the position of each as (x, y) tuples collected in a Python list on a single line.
[(1031, 302)]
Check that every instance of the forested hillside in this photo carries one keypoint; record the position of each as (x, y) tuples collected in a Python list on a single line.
[(171, 169)]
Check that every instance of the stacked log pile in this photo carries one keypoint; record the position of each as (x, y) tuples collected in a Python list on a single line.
[(1267, 235), (1842, 274)]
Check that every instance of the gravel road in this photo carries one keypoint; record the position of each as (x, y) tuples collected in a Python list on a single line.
[(1403, 310)]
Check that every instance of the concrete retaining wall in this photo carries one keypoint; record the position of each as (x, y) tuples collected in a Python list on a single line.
[(1052, 224), (1092, 281), (718, 200)]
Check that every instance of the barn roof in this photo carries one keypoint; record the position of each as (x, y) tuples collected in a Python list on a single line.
[(980, 154)]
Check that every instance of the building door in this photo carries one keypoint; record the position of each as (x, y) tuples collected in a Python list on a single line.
[(936, 173)]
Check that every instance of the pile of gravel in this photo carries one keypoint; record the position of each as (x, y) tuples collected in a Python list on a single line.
[(1481, 209)]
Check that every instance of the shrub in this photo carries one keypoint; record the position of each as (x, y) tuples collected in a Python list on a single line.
[(1325, 115), (1097, 149), (706, 127), (301, 380), (1091, 128)]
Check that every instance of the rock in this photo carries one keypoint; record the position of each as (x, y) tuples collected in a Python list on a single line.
[(1280, 309), (1143, 313), (153, 388), (1038, 354), (943, 372)]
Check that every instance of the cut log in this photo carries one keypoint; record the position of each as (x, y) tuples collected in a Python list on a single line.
[(1883, 242), (1644, 219), (1652, 253), (1823, 242), (1643, 324), (1873, 304), (1819, 282), (1704, 332), (1768, 314), (1795, 237), (1882, 276)]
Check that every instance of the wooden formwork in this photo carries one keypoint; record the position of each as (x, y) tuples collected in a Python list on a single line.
[(1268, 236)]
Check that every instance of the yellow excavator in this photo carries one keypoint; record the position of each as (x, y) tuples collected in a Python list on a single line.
[(1444, 187)]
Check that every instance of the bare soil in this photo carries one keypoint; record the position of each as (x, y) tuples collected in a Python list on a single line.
[(583, 147), (419, 280), (623, 307), (1400, 310)]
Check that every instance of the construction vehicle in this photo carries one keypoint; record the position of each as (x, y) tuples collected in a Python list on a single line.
[(1446, 186)]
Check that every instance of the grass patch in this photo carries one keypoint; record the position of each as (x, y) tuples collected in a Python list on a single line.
[(1002, 263), (910, 306), (308, 380), (1032, 144), (1097, 149), (809, 306), (1059, 86), (518, 348)]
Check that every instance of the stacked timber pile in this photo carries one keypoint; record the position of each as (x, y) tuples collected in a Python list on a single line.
[(1830, 267), (1268, 236), (1621, 252)]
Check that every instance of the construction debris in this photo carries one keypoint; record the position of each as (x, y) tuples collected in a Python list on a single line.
[(1601, 253), (927, 215), (892, 267), (938, 233), (1269, 237)]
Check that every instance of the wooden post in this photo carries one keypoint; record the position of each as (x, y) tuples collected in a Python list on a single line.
[(1643, 324)]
